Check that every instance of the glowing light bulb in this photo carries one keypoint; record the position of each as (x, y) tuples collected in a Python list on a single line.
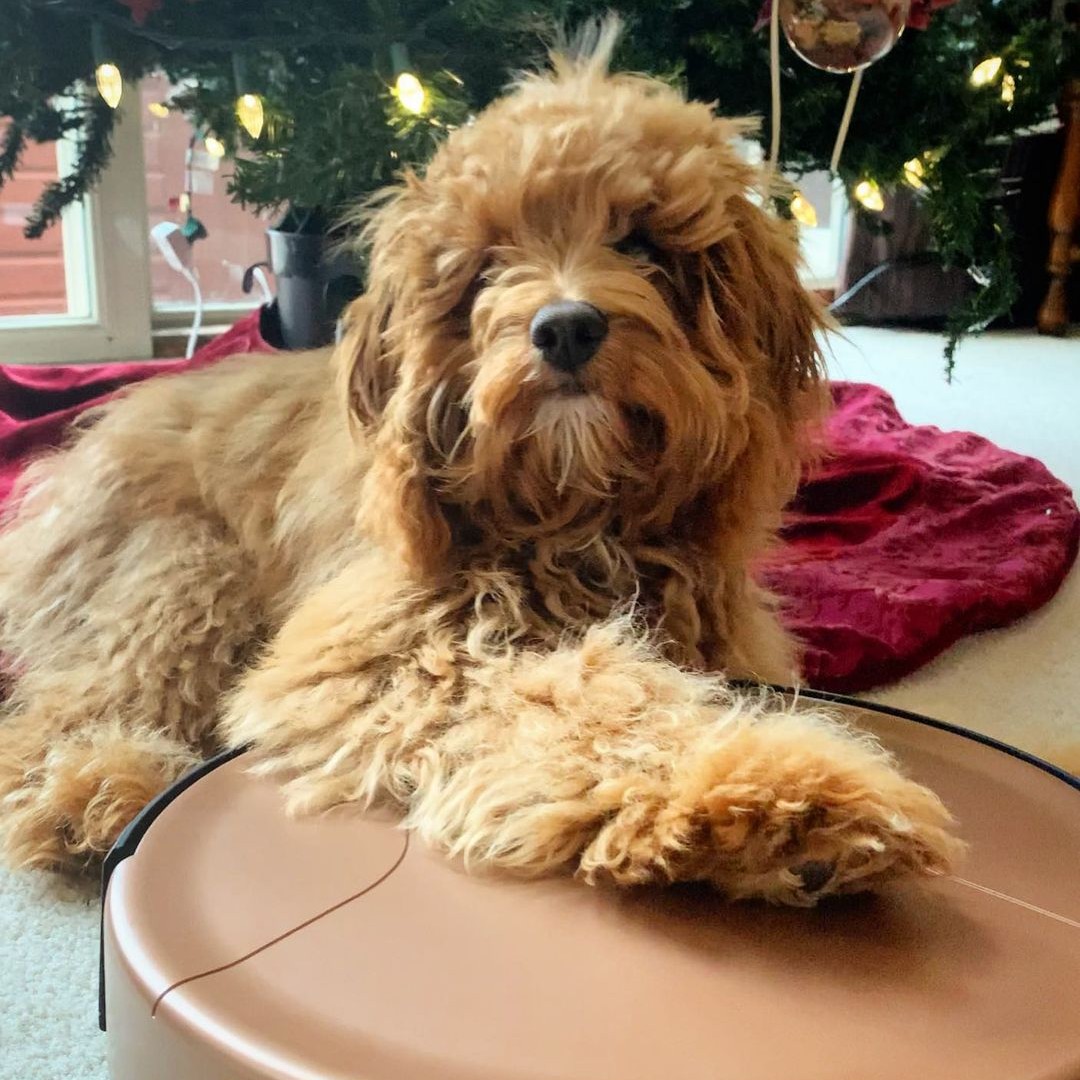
[(869, 195), (411, 93), (914, 171), (249, 111), (802, 210), (1008, 89), (110, 84), (158, 109), (185, 203), (214, 146), (986, 72)]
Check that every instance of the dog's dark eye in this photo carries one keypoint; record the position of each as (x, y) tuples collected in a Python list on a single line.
[(637, 245), (482, 278), (472, 290)]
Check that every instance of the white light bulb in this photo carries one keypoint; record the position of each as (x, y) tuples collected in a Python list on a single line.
[(249, 111), (986, 72), (802, 210), (110, 84), (410, 92), (869, 195), (914, 173)]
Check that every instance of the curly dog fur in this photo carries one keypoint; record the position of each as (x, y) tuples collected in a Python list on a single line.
[(433, 570)]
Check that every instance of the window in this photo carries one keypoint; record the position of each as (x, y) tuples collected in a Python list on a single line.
[(81, 292), (32, 272)]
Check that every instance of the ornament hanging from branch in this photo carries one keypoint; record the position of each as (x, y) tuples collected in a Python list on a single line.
[(841, 36)]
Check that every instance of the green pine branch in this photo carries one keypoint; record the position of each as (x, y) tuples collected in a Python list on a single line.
[(94, 150), (11, 150)]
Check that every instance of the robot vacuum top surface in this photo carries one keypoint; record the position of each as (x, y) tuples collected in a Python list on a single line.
[(335, 947)]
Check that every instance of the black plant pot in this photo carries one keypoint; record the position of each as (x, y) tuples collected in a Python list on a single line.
[(315, 280)]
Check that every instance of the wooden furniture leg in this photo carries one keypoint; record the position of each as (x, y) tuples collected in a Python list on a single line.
[(1063, 218)]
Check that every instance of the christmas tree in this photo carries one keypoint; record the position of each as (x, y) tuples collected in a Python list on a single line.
[(321, 103)]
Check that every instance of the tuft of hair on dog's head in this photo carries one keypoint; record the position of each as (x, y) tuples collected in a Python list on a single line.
[(588, 51), (669, 395)]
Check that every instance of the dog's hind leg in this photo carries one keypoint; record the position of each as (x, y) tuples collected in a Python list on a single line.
[(63, 802), (121, 636)]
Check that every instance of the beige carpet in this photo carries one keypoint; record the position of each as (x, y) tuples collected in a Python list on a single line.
[(1021, 684)]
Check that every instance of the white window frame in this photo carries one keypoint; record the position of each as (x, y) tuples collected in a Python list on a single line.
[(106, 266)]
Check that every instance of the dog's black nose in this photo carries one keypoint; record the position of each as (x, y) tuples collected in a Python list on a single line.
[(568, 333)]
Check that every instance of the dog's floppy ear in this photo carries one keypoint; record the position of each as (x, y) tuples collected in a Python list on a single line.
[(399, 506), (757, 325), (392, 226), (381, 380), (752, 300), (366, 368)]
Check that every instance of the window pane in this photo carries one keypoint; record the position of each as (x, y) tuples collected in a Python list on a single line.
[(235, 238), (32, 278)]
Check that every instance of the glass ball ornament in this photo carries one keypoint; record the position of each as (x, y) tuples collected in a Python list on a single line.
[(843, 35)]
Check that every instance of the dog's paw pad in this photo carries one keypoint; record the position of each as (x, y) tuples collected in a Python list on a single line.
[(814, 876)]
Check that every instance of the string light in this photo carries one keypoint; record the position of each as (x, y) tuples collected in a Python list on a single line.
[(214, 146), (802, 210), (869, 195), (411, 93), (984, 73), (249, 106), (249, 111), (914, 171), (408, 89), (1008, 89), (110, 83), (158, 109)]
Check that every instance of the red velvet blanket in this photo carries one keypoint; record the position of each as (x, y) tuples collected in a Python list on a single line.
[(906, 539)]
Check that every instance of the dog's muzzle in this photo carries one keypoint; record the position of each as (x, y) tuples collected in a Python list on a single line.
[(568, 333)]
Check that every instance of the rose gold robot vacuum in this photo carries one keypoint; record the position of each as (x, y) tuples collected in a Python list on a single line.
[(238, 944)]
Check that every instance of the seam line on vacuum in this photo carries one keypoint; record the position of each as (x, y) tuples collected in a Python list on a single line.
[(1014, 900), (288, 933)]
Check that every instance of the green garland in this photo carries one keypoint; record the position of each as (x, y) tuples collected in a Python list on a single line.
[(94, 151)]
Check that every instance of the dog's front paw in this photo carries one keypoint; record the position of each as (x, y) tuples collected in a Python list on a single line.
[(796, 850), (837, 818), (787, 810)]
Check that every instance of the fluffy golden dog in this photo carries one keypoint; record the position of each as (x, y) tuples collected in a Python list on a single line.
[(489, 562)]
